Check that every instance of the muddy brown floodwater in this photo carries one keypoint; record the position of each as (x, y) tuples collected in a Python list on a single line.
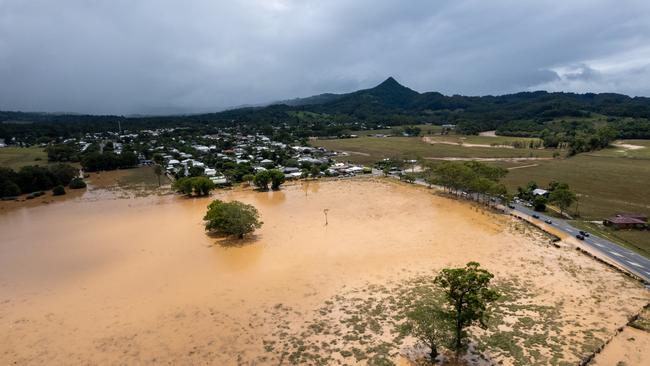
[(132, 281)]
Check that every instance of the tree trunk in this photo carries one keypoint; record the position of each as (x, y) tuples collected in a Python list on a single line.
[(459, 327), (434, 353)]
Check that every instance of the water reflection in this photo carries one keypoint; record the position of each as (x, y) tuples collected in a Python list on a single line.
[(270, 198), (309, 186)]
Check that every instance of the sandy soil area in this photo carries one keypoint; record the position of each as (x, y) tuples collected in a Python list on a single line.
[(628, 146), (133, 281), (487, 159), (430, 140)]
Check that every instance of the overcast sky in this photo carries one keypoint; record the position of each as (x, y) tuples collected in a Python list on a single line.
[(160, 56)]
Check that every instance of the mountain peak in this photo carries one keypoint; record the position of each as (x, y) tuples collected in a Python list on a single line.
[(390, 82), (392, 87)]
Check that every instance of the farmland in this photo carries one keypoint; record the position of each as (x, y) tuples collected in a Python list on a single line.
[(16, 157), (371, 149)]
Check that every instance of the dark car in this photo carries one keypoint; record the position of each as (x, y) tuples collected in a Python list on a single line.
[(580, 237), (535, 216), (584, 233), (548, 221), (511, 205)]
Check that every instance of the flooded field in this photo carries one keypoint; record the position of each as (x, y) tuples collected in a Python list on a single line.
[(100, 279)]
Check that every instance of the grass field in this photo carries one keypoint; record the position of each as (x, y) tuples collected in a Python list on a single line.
[(371, 149), (605, 185), (483, 140), (642, 150), (16, 157)]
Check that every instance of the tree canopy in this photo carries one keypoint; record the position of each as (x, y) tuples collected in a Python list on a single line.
[(468, 293), (232, 218), (194, 186)]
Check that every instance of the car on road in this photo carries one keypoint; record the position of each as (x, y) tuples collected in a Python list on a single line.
[(535, 216), (510, 205), (548, 221), (584, 233), (580, 237)]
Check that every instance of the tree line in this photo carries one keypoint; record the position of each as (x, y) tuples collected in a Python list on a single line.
[(478, 180), (34, 178)]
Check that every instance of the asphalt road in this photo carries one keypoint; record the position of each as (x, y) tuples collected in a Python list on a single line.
[(633, 262)]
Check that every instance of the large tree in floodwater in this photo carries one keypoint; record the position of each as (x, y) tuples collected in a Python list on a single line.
[(232, 218)]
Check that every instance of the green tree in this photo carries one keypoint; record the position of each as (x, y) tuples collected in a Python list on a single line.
[(430, 324), (158, 159), (262, 180), (195, 171), (248, 178), (468, 295), (277, 178), (539, 203), (232, 218), (315, 171), (199, 186), (562, 196)]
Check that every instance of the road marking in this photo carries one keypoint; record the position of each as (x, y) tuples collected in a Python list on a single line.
[(617, 254), (634, 264), (600, 245), (569, 230)]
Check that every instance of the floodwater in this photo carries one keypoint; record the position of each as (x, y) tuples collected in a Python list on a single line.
[(97, 280)]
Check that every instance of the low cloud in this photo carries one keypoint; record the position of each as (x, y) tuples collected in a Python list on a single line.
[(164, 56)]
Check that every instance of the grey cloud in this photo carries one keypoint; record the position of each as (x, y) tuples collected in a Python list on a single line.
[(163, 56)]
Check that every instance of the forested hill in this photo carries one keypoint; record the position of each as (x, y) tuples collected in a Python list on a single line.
[(389, 103)]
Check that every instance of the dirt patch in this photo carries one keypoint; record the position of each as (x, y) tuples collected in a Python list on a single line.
[(430, 140), (628, 146), (128, 281), (488, 133), (487, 159), (523, 166)]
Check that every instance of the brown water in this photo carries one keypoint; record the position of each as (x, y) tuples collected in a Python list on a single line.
[(103, 281)]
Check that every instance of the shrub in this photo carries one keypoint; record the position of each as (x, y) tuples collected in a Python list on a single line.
[(77, 183), (9, 189), (58, 191), (199, 186)]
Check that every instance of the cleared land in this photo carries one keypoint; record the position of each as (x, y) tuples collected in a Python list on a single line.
[(371, 149), (136, 281), (606, 185), (16, 157)]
